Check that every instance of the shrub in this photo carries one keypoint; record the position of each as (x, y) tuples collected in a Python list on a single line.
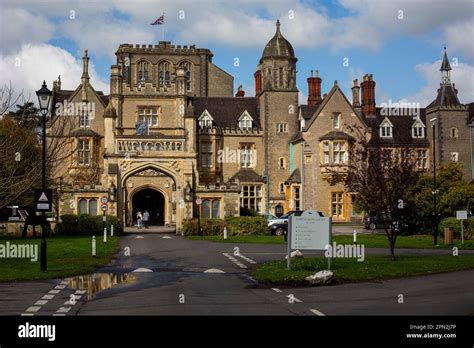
[(246, 225), (86, 225), (456, 224), (236, 226)]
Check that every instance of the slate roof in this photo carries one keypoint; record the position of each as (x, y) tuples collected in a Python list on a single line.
[(336, 135), (247, 175), (447, 96), (226, 110), (307, 111), (85, 132), (401, 132), (295, 177)]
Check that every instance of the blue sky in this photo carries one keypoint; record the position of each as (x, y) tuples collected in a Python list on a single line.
[(400, 42)]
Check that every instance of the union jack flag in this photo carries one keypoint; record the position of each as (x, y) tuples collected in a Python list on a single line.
[(159, 21)]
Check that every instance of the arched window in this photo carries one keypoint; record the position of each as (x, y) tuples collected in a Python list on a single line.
[(82, 206), (164, 73), (188, 75), (454, 132), (142, 71), (93, 207)]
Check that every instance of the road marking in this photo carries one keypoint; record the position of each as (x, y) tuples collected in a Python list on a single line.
[(54, 292), (213, 270), (142, 270), (139, 237), (276, 289), (315, 311), (80, 292), (41, 302), (294, 298), (27, 314), (72, 301), (234, 260), (63, 309), (33, 309), (246, 258), (166, 237), (60, 287), (59, 315), (64, 282), (47, 297)]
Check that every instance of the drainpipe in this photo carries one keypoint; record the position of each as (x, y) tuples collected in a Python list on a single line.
[(470, 149), (302, 177)]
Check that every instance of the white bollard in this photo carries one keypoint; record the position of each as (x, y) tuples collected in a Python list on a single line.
[(225, 232), (105, 235), (93, 247), (112, 230), (354, 236)]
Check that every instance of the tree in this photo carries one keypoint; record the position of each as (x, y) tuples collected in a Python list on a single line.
[(384, 180)]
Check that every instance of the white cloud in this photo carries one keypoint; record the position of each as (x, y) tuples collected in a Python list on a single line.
[(45, 62), (18, 26), (459, 38), (461, 76)]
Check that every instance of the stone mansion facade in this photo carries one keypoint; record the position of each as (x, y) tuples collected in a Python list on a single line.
[(171, 130)]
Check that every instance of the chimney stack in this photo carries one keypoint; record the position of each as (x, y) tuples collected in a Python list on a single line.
[(85, 67), (258, 82), (355, 94), (368, 95), (240, 92), (314, 89)]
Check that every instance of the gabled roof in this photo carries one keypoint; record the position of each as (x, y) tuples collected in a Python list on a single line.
[(226, 111), (336, 135), (85, 132), (295, 177), (307, 111), (247, 175)]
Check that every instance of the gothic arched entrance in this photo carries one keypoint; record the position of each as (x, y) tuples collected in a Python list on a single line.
[(152, 201)]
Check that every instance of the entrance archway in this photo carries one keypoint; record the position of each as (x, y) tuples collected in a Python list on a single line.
[(151, 200)]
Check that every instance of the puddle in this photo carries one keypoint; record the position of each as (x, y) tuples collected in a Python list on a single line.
[(97, 282)]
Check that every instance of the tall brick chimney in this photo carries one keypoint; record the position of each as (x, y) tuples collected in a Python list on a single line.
[(355, 94), (258, 82), (240, 92), (368, 95), (314, 89)]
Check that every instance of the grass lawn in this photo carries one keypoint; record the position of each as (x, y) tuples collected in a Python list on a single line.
[(369, 240), (66, 256), (350, 270)]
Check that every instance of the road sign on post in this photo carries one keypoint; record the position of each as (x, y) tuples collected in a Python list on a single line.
[(462, 215), (44, 200), (309, 231), (104, 200)]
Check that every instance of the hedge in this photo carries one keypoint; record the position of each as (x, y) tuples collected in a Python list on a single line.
[(456, 224), (86, 225), (236, 226)]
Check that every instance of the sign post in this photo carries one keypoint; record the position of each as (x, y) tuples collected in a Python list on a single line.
[(104, 206), (199, 202), (44, 200), (462, 215), (309, 231)]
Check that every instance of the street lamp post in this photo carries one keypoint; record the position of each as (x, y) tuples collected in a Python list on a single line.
[(44, 98), (435, 231)]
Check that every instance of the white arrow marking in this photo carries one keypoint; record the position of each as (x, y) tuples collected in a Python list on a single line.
[(213, 270), (140, 270)]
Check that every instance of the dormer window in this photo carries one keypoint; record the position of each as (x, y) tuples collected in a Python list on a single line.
[(418, 129), (386, 129), (205, 120), (245, 121)]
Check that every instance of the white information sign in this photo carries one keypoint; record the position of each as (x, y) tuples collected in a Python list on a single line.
[(461, 214), (309, 232)]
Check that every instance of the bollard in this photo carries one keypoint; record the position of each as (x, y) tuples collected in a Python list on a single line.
[(112, 230), (105, 235), (225, 232), (93, 247), (354, 236)]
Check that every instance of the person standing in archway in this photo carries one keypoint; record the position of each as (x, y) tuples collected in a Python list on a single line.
[(146, 218), (139, 219)]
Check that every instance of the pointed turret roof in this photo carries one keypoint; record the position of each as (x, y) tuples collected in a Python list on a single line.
[(278, 46), (445, 66)]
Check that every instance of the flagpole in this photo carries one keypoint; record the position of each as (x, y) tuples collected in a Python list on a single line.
[(163, 28)]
